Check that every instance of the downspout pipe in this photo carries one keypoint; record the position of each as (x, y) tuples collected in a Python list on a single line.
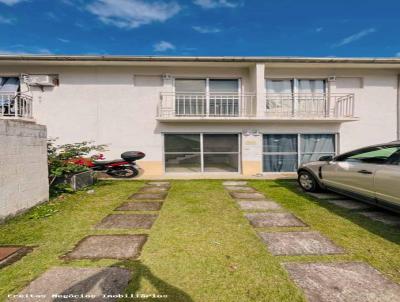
[(398, 107)]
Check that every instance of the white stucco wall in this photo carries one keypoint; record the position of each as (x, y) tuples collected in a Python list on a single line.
[(23, 166), (103, 104)]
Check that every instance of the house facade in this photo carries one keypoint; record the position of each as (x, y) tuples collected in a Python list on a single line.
[(242, 115)]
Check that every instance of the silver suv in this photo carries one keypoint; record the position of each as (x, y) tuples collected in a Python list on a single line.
[(370, 174)]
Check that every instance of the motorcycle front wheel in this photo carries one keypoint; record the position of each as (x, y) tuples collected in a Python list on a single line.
[(123, 172)]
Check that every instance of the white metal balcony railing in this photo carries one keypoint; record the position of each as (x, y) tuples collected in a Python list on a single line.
[(206, 105), (318, 105), (15, 105)]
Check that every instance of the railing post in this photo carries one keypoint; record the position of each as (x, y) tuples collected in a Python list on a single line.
[(16, 105), (327, 98)]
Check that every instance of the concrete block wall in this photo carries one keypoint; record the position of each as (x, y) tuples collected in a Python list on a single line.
[(23, 166)]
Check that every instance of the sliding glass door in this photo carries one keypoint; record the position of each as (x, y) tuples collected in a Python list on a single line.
[(313, 146), (182, 153), (190, 97), (280, 96), (280, 152), (224, 97), (221, 152), (201, 152), (214, 97), (284, 152), (311, 97)]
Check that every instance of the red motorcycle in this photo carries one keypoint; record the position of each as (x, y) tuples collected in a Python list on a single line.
[(125, 167)]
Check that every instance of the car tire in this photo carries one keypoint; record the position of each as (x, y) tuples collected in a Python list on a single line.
[(308, 182)]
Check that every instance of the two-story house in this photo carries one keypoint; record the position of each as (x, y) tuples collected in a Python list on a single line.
[(245, 115)]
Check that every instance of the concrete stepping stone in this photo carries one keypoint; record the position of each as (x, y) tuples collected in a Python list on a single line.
[(253, 200), (153, 189), (148, 196), (60, 283), (140, 206), (234, 183), (350, 204), (261, 220), (384, 217), (127, 221), (259, 205), (108, 247), (11, 254), (159, 183), (326, 196), (242, 195), (299, 243), (338, 282), (240, 189)]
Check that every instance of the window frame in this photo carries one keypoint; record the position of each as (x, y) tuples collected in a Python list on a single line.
[(202, 153), (299, 134)]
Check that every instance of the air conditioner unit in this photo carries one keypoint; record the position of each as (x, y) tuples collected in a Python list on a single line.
[(40, 80)]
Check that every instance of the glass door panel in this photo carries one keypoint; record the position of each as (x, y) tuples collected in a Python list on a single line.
[(182, 152), (280, 153), (313, 146), (190, 97), (224, 97), (279, 96), (311, 97), (221, 152)]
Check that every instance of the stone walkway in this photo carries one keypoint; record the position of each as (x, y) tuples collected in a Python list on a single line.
[(362, 208), (321, 282), (110, 281)]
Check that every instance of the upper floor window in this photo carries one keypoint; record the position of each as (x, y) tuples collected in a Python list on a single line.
[(190, 86), (301, 86), (203, 85), (222, 99), (9, 84)]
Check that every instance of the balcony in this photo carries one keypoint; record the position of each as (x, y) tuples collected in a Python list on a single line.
[(206, 106), (310, 106), (15, 105), (278, 107)]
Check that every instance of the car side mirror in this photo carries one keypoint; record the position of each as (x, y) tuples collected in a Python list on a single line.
[(326, 158)]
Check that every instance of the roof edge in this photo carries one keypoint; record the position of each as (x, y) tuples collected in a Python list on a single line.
[(250, 59)]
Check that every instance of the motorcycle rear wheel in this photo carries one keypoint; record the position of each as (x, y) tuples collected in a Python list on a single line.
[(123, 172)]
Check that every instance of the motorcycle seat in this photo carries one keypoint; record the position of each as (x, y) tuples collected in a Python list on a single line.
[(106, 162)]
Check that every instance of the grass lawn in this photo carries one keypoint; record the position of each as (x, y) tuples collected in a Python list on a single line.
[(201, 248)]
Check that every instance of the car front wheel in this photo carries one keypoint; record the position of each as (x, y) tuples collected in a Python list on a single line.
[(308, 182)]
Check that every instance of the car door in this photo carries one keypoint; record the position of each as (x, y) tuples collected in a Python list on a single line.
[(354, 172), (387, 180)]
